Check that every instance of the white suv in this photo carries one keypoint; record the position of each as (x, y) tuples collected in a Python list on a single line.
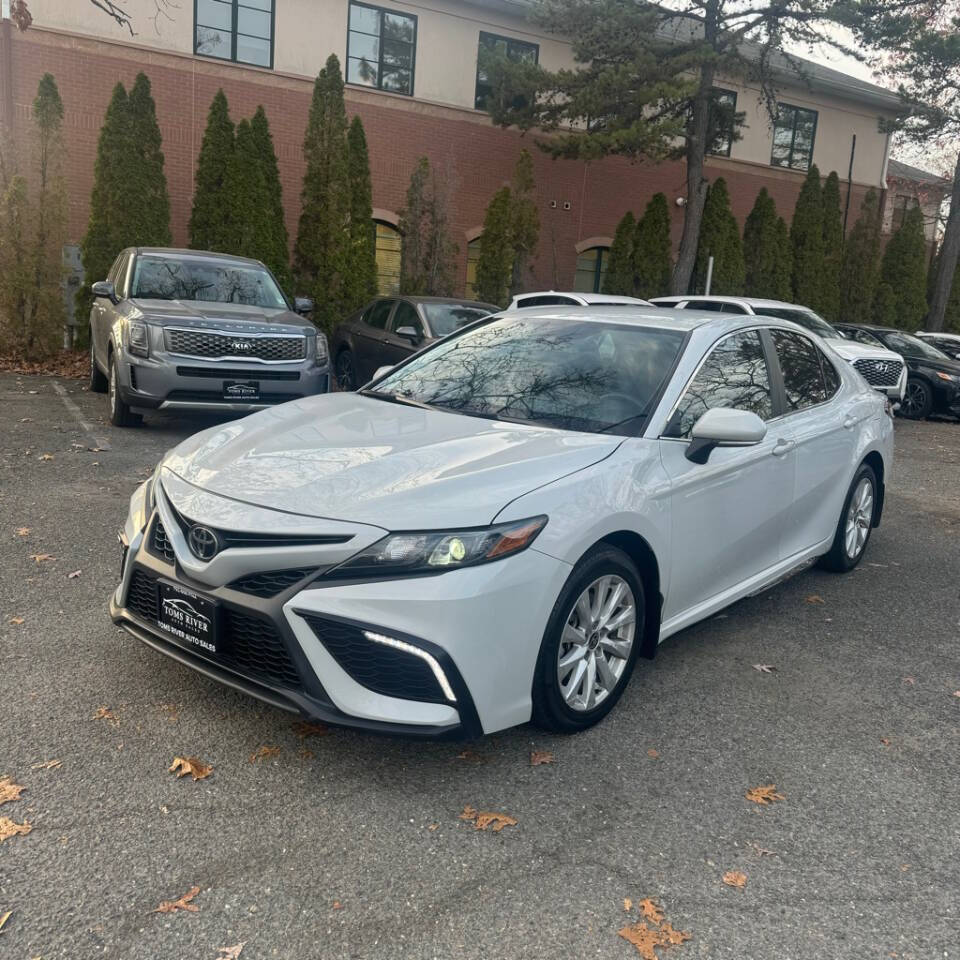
[(883, 369), (556, 298)]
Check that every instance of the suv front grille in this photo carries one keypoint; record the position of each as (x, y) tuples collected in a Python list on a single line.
[(203, 343), (879, 373)]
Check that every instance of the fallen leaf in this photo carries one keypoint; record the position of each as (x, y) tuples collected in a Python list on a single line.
[(305, 754), (911, 681), (192, 765), (956, 693), (9, 791), (471, 756), (304, 729), (734, 878), (764, 795), (813, 598), (4, 918), (10, 829), (42, 557), (885, 741), (762, 851), (627, 904), (45, 456), (653, 753), (643, 938), (483, 819), (46, 765), (764, 667), (262, 753), (23, 531), (26, 419), (537, 757), (181, 903), (105, 713), (650, 910), (672, 937), (16, 621), (433, 826), (74, 575), (230, 953), (337, 905)]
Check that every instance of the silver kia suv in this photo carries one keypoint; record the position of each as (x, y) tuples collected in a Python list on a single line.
[(189, 330)]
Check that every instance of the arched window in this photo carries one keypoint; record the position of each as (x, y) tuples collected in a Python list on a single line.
[(473, 256), (591, 268), (388, 259)]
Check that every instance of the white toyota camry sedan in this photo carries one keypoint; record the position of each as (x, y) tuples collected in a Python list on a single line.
[(496, 529)]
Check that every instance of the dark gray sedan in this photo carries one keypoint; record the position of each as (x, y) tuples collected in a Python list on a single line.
[(390, 329), (188, 330)]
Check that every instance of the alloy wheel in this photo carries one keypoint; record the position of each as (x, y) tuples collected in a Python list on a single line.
[(112, 387), (345, 371), (859, 518), (913, 399), (595, 646)]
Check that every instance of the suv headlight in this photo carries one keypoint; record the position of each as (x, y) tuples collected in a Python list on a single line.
[(435, 551), (138, 340), (948, 377), (323, 351)]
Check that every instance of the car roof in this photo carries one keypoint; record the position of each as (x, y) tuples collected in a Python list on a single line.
[(938, 333), (642, 316), (185, 252), (588, 297), (750, 301), (458, 301)]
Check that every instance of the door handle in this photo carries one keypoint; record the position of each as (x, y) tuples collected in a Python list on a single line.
[(849, 422), (783, 447)]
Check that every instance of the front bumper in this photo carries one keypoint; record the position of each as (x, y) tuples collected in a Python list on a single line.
[(302, 649)]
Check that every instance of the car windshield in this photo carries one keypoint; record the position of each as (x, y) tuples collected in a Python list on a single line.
[(805, 318), (205, 279), (568, 373), (910, 346), (444, 318)]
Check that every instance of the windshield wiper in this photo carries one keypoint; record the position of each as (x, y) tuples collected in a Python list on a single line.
[(613, 426), (395, 398)]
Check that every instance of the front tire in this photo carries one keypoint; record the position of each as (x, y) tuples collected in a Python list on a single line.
[(346, 374), (120, 413), (917, 400), (591, 643), (855, 524), (98, 382)]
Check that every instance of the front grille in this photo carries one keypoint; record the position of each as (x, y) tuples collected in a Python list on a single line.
[(375, 666), (269, 584), (162, 546), (879, 373), (203, 343), (249, 644), (224, 373)]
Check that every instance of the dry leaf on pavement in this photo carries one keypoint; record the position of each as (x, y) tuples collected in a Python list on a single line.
[(192, 765), (885, 741), (764, 795), (734, 878), (627, 904), (538, 757), (650, 910), (4, 917), (304, 729), (10, 829), (956, 693), (74, 575), (262, 753), (9, 791), (23, 531), (671, 936), (764, 667), (16, 621), (762, 851), (337, 905), (105, 713), (646, 938), (813, 598), (46, 765), (230, 953), (911, 681), (42, 557), (471, 756), (653, 754), (45, 456), (181, 903), (483, 819)]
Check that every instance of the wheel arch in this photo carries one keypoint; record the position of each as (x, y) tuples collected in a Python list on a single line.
[(875, 461)]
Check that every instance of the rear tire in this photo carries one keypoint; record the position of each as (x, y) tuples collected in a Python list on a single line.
[(917, 400), (855, 524), (345, 371), (591, 643), (98, 382), (120, 413)]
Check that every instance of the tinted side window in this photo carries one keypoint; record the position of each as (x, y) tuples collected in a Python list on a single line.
[(121, 280), (800, 364), (733, 308), (546, 301), (115, 269), (734, 374), (406, 316), (830, 376), (705, 305), (378, 314)]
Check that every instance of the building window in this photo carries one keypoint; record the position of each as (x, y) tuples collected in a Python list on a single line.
[(723, 114), (473, 258), (389, 244), (516, 50), (381, 48), (793, 135), (902, 203), (240, 30), (591, 269)]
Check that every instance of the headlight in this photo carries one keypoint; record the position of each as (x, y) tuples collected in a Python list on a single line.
[(438, 550), (322, 350), (137, 339), (947, 377)]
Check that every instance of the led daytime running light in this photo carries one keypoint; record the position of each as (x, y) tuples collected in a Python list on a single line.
[(441, 677)]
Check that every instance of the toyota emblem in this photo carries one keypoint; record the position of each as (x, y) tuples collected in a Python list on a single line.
[(204, 543)]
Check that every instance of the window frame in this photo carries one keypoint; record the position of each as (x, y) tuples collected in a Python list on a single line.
[(421, 325), (598, 269), (787, 411), (899, 211), (507, 41), (790, 165), (234, 32), (727, 135), (413, 58)]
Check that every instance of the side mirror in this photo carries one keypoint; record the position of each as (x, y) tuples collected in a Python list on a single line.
[(303, 305), (724, 427), (408, 333), (382, 372), (104, 288)]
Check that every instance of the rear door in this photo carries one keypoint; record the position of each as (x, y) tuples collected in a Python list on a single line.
[(370, 336), (103, 312)]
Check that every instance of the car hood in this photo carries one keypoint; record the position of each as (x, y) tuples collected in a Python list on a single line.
[(944, 366), (346, 457), (850, 350), (235, 317)]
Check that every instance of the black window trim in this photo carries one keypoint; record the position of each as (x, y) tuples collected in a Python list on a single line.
[(508, 41), (234, 33), (793, 136), (779, 375), (725, 134), (391, 320), (413, 59)]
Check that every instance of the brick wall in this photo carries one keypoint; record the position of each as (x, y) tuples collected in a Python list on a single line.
[(478, 157)]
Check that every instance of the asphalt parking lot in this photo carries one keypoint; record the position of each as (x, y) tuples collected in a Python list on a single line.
[(342, 845)]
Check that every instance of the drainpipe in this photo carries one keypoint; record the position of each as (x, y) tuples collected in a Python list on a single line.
[(846, 208)]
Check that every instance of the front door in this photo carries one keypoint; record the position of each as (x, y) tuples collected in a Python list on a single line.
[(370, 339), (395, 347)]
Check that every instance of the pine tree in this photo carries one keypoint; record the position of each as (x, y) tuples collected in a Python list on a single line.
[(363, 254), (760, 247), (619, 276), (858, 270), (902, 296), (651, 250), (321, 253), (496, 251), (829, 303), (441, 251), (806, 240), (525, 222), (210, 220), (246, 186), (276, 242), (782, 275), (413, 229), (152, 224), (719, 238)]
